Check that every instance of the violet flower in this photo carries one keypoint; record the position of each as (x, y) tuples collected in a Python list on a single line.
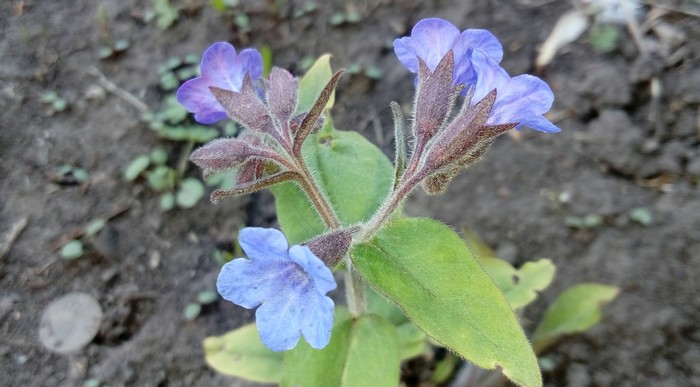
[(431, 39), (520, 100), (221, 67), (289, 285)]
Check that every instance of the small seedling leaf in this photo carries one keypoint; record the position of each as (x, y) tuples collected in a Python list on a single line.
[(159, 156), (136, 167), (95, 226), (167, 201), (207, 297), (72, 250), (192, 311), (575, 310), (191, 190)]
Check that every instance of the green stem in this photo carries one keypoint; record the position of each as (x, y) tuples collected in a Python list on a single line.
[(354, 289)]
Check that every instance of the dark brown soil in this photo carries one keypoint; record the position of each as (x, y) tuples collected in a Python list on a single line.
[(619, 149)]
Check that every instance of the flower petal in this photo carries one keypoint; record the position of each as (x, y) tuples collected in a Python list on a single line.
[(322, 275), (279, 320), (246, 283), (317, 320), (221, 67), (225, 69), (430, 40), (263, 243), (195, 96), (519, 98), (489, 75), (465, 44)]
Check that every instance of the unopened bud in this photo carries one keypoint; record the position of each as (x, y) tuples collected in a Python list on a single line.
[(331, 247), (437, 182), (222, 154)]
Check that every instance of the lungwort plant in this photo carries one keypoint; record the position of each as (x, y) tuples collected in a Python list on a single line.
[(339, 204)]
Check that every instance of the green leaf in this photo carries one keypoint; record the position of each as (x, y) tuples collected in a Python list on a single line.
[(444, 369), (266, 53), (192, 311), (425, 268), (241, 353), (313, 83), (165, 13), (161, 178), (380, 305), (412, 340), (207, 297), (476, 245), (575, 310), (604, 37), (642, 215), (520, 286), (191, 190), (362, 352), (72, 250), (167, 201), (136, 167), (159, 156), (355, 175), (95, 226)]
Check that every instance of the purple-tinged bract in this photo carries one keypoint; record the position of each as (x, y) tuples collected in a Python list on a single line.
[(431, 39), (288, 284), (221, 67)]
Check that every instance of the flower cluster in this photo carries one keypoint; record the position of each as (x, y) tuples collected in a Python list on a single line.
[(289, 285), (450, 63)]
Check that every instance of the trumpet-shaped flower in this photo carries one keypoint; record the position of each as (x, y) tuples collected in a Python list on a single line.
[(288, 284), (520, 100), (221, 67), (431, 39)]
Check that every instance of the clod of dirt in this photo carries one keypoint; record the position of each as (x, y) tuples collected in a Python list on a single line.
[(70, 322)]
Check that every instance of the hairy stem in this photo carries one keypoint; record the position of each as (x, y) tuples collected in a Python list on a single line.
[(319, 201), (390, 205), (354, 289)]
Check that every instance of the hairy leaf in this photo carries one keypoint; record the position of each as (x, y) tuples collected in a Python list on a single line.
[(427, 270)]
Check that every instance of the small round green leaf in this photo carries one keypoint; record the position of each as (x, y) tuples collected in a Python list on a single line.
[(159, 156), (192, 311), (167, 201), (207, 297), (72, 250), (191, 190), (95, 226)]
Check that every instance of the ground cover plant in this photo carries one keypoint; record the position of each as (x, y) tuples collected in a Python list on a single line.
[(618, 185)]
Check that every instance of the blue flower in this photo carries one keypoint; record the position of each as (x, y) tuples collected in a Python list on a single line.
[(289, 285), (223, 68), (432, 38), (520, 100)]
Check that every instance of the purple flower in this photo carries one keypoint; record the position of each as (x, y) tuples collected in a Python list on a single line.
[(431, 39), (223, 68), (520, 100), (289, 285)]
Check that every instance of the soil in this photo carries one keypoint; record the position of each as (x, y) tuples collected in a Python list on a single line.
[(621, 147)]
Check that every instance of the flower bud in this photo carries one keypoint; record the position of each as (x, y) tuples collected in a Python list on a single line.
[(331, 247), (222, 154)]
